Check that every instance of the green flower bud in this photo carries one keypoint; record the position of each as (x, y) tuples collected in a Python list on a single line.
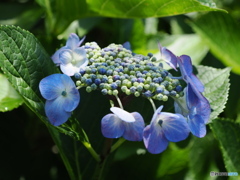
[(110, 92), (115, 92), (146, 86), (88, 89), (128, 92), (124, 88), (137, 94), (165, 98), (78, 83)]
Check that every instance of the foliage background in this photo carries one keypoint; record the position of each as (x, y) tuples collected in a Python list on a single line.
[(210, 38)]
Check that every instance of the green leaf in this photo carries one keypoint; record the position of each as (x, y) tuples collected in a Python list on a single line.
[(216, 82), (67, 11), (9, 98), (24, 62), (143, 8), (221, 34), (203, 155), (227, 133), (169, 165)]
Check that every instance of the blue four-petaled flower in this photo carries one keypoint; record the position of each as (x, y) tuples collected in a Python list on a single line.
[(71, 57), (62, 97), (194, 106), (164, 127), (121, 123)]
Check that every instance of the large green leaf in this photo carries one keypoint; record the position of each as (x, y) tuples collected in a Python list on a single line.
[(216, 82), (143, 8), (24, 62), (169, 165), (203, 155), (61, 13), (228, 134), (9, 98), (221, 33)]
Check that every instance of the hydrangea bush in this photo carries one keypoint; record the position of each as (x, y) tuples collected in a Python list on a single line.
[(95, 99), (119, 73)]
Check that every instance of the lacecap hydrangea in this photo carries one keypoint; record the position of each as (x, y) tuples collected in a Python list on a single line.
[(118, 73)]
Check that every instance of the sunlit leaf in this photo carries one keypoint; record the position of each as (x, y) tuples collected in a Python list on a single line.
[(143, 8), (216, 83), (9, 98), (119, 9), (221, 34)]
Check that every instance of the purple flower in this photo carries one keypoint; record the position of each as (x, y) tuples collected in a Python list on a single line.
[(71, 57), (121, 123), (164, 127), (196, 108), (62, 97), (168, 57)]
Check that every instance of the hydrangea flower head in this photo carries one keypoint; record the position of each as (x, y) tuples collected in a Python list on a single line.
[(62, 97), (71, 57), (164, 127), (121, 123)]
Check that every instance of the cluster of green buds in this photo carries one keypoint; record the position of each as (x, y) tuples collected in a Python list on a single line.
[(115, 69)]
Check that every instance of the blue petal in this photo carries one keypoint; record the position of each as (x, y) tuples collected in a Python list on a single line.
[(65, 56), (72, 98), (168, 57), (51, 86), (80, 55), (122, 114), (55, 56), (55, 112), (198, 104), (185, 65), (73, 41), (69, 69), (193, 97), (156, 113), (197, 83), (154, 139), (112, 126), (81, 41), (127, 45), (134, 130), (197, 126), (174, 126)]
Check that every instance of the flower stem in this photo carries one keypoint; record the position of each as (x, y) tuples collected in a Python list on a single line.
[(117, 144), (77, 161), (153, 105), (119, 101), (92, 151)]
